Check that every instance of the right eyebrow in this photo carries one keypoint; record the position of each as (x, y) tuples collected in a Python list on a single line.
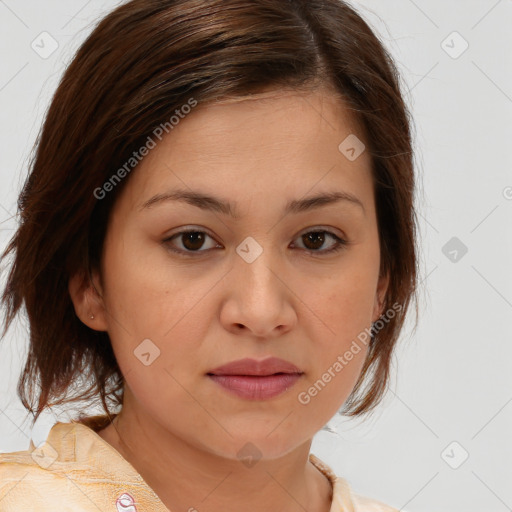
[(211, 203)]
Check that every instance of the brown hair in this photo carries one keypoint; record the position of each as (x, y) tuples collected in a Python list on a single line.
[(143, 61)]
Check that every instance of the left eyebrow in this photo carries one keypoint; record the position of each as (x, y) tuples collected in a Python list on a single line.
[(211, 203)]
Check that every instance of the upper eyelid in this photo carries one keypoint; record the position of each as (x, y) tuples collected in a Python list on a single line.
[(320, 229)]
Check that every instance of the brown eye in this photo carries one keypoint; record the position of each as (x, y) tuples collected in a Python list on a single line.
[(191, 241), (314, 240)]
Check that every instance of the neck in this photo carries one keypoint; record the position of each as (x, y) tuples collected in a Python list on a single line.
[(189, 477)]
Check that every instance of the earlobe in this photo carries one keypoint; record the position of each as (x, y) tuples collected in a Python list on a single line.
[(87, 302), (380, 296)]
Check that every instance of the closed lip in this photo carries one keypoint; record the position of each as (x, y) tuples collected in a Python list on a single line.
[(249, 366)]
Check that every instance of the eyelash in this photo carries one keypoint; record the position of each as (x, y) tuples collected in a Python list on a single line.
[(340, 243)]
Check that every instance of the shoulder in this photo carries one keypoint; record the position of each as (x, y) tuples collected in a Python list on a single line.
[(360, 503), (26, 462), (365, 504), (74, 469), (40, 477), (24, 482), (50, 460), (343, 496)]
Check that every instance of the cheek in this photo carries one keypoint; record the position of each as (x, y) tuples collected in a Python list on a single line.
[(342, 307), (340, 315), (160, 392), (140, 293), (153, 317), (341, 338)]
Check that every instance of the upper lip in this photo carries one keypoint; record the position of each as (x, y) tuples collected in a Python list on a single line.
[(249, 366)]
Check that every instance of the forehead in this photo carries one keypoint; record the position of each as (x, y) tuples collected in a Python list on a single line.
[(274, 142), (276, 105)]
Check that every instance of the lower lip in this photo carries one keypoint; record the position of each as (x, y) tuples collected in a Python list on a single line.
[(257, 387)]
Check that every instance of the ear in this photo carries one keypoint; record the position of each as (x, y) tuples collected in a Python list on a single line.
[(88, 301), (380, 296)]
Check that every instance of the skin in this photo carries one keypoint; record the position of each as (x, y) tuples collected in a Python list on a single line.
[(177, 427)]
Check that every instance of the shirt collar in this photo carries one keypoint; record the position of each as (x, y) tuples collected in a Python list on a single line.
[(79, 442)]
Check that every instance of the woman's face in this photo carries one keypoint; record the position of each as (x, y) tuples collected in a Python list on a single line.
[(256, 285)]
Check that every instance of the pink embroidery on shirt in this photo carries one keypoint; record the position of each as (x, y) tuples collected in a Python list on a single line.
[(125, 503)]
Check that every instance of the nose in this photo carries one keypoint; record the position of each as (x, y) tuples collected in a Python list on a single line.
[(257, 295)]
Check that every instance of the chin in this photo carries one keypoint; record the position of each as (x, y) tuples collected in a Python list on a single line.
[(255, 445)]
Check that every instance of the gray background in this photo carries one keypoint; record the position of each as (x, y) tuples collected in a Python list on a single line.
[(452, 379)]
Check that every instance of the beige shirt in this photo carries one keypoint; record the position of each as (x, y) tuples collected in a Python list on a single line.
[(77, 470)]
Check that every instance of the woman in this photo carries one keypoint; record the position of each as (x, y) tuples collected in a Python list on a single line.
[(217, 239)]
